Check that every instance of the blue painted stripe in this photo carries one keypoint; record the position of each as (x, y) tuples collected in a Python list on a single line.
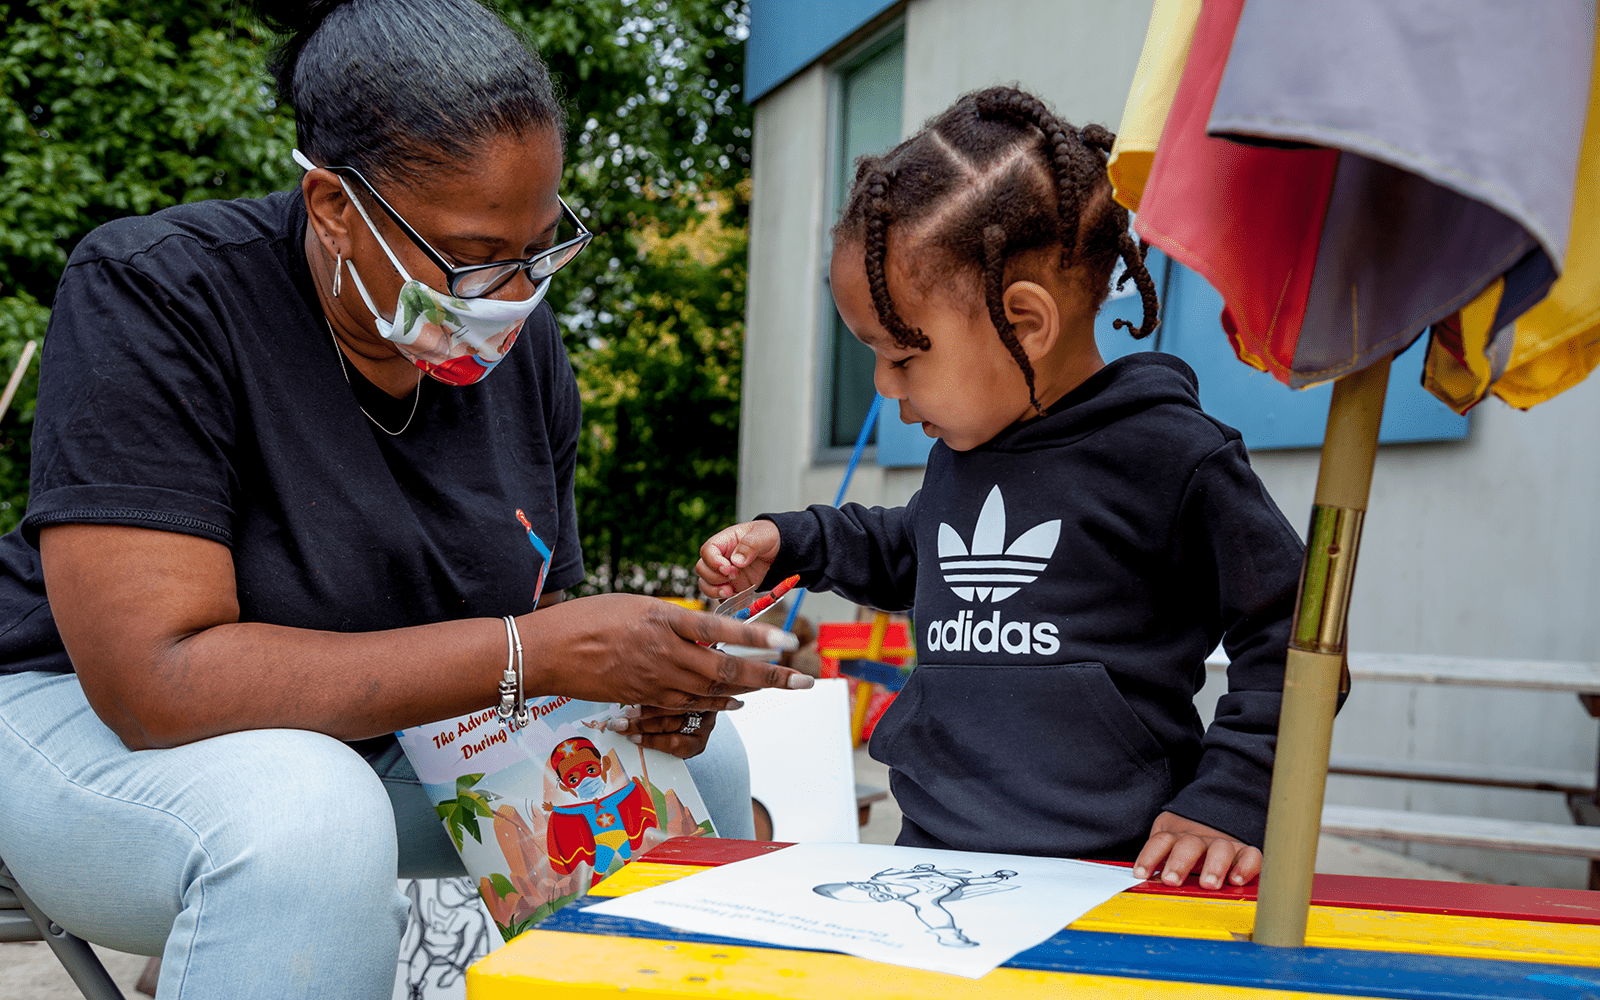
[(786, 36), (1223, 963)]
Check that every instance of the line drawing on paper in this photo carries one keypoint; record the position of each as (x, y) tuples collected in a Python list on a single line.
[(926, 890), (445, 932)]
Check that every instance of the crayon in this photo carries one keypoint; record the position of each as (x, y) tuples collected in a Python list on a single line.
[(772, 597)]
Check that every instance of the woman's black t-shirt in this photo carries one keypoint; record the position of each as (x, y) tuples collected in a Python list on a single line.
[(189, 383)]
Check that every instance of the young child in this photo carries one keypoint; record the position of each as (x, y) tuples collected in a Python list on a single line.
[(1084, 534)]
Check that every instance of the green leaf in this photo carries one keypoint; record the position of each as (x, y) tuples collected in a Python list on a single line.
[(466, 781), (502, 885)]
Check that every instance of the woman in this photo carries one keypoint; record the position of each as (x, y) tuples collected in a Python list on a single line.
[(270, 539)]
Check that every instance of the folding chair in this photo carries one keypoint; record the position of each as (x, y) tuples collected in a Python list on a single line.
[(21, 920)]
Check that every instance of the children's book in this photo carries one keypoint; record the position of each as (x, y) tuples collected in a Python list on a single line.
[(543, 812)]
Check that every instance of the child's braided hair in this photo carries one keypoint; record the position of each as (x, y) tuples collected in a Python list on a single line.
[(996, 176)]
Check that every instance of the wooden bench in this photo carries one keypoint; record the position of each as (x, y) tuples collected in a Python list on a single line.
[(1463, 831), (866, 795), (1579, 788)]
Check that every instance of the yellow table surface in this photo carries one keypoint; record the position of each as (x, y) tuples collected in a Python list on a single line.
[(558, 965)]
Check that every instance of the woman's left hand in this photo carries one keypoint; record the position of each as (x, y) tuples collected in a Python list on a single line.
[(662, 729)]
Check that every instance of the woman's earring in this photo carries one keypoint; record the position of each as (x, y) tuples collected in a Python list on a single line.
[(338, 271)]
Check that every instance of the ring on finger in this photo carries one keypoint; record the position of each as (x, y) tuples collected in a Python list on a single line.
[(691, 723)]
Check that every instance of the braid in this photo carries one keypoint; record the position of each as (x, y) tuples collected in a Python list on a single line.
[(994, 269), (970, 194), (1133, 254), (877, 249), (1066, 154), (1098, 137)]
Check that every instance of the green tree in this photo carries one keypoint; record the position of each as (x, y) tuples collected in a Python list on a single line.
[(658, 158), (121, 107), (111, 108)]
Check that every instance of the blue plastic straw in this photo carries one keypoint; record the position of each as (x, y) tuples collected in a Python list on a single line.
[(849, 471)]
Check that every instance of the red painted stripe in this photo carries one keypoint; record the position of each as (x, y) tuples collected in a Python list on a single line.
[(1461, 899), (708, 852), (1249, 219)]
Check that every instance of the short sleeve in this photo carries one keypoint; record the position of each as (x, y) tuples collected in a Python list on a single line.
[(136, 419)]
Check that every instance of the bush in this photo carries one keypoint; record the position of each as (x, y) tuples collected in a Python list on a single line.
[(111, 108)]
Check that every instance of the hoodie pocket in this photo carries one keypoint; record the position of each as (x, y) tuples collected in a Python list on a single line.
[(1034, 760)]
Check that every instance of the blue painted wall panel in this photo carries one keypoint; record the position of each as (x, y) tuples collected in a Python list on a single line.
[(1268, 413), (900, 445), (786, 36)]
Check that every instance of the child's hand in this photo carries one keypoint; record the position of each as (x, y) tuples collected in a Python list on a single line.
[(737, 558), (1176, 843)]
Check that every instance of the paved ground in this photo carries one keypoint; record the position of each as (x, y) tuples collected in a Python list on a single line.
[(30, 971)]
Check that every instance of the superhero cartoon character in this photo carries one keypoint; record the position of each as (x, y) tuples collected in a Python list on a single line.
[(605, 826), (926, 890)]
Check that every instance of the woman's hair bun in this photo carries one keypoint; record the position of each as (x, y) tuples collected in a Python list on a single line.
[(397, 88), (294, 17)]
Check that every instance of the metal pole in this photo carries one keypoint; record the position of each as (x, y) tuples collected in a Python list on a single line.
[(16, 375), (1316, 653)]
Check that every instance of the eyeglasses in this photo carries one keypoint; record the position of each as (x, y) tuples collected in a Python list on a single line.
[(477, 280)]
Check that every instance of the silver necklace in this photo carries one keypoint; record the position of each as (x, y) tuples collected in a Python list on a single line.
[(339, 353)]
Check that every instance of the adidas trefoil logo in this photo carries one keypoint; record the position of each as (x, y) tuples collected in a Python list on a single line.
[(991, 570)]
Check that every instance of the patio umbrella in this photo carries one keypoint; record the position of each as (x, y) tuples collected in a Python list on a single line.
[(1348, 176)]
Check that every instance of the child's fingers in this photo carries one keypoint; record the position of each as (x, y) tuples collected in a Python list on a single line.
[(1246, 866), (1219, 858), (712, 583), (757, 542), (1155, 850), (1187, 850), (714, 553)]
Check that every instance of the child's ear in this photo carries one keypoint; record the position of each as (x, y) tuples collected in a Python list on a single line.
[(1034, 316)]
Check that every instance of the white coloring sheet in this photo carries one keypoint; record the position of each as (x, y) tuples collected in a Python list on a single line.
[(946, 911)]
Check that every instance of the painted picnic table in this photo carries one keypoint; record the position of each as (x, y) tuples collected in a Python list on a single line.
[(1366, 937)]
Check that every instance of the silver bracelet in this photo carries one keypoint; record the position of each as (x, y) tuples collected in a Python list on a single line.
[(512, 703)]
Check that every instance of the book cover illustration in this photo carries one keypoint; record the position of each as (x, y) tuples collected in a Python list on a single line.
[(541, 813)]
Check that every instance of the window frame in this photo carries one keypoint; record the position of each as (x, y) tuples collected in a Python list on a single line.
[(884, 38)]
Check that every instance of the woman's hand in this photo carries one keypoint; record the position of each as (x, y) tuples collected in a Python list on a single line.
[(1181, 842), (151, 622), (737, 558), (639, 650), (662, 729)]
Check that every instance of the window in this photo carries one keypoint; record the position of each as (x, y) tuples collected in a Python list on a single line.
[(867, 120)]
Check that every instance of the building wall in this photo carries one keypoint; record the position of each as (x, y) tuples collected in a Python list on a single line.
[(1482, 547)]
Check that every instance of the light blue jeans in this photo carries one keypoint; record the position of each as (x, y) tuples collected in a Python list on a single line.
[(257, 864)]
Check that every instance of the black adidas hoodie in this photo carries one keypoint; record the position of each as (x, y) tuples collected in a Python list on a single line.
[(1069, 578)]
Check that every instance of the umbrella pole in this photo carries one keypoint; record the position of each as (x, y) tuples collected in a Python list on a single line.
[(1316, 656)]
